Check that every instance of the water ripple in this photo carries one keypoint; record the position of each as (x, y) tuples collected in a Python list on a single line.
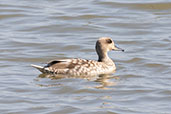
[(34, 32)]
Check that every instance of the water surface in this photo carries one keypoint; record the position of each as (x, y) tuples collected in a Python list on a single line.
[(36, 31)]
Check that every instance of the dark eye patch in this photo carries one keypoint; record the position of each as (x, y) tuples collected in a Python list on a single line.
[(109, 41)]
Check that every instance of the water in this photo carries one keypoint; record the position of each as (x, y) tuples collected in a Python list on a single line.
[(36, 31)]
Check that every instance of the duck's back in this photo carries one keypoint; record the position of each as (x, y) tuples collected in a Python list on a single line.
[(77, 67)]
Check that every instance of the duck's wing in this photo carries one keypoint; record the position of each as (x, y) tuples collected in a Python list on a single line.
[(59, 65), (55, 64)]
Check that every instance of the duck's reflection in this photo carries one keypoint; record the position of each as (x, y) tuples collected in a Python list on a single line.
[(105, 80)]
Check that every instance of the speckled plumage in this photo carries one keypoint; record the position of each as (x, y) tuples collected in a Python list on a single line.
[(78, 67)]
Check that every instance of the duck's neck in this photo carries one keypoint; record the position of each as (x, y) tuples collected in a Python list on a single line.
[(103, 57)]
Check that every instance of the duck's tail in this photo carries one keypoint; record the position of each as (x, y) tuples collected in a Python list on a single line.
[(40, 68)]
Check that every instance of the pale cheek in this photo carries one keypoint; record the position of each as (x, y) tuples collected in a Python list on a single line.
[(110, 49)]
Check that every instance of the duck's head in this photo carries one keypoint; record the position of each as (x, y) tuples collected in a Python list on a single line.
[(105, 44)]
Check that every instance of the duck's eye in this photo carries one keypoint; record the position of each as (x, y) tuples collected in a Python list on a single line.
[(109, 41)]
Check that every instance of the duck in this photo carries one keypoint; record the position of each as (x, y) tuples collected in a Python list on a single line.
[(84, 67)]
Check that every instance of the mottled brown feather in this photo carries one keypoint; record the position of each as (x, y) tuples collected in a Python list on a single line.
[(104, 65)]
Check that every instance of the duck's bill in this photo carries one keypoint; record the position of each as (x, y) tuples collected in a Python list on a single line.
[(116, 48)]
